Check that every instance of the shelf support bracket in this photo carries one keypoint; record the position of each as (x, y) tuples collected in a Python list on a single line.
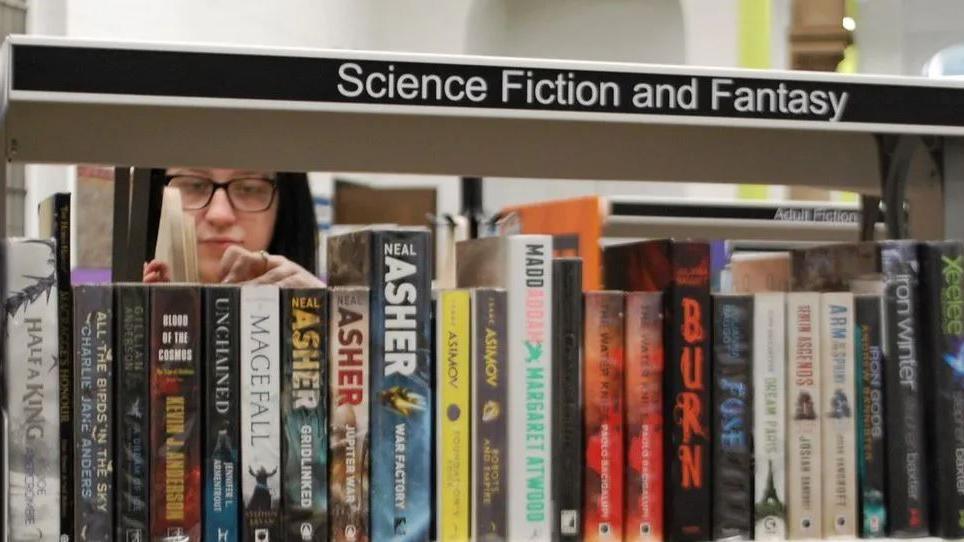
[(472, 203), (9, 155), (896, 152), (869, 213), (952, 162), (122, 208), (137, 197)]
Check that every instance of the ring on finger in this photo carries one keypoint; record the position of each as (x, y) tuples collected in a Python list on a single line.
[(264, 259)]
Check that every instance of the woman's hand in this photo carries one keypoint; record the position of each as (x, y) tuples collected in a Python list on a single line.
[(241, 265), (156, 271)]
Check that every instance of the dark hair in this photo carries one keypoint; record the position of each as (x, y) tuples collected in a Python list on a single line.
[(295, 233), (296, 229)]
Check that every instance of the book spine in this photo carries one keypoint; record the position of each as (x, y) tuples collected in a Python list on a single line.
[(839, 429), (686, 401), (175, 498), (85, 318), (32, 397), (94, 452), (260, 413), (871, 469), (452, 414), (133, 430), (401, 421), (488, 418), (529, 384), (906, 460), (304, 317), (603, 392), (644, 417), (349, 442), (567, 382), (769, 418), (65, 325), (732, 420), (4, 407), (804, 469), (222, 435), (942, 268)]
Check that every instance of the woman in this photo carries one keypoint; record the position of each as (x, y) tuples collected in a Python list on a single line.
[(252, 227)]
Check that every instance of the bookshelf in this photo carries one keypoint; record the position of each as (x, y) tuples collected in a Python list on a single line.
[(139, 104), (149, 104)]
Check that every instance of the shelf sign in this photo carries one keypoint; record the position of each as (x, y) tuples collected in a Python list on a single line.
[(517, 88), (504, 90)]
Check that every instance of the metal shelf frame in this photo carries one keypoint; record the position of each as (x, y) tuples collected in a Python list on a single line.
[(153, 105)]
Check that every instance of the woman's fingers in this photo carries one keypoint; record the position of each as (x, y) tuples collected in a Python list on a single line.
[(243, 266), (229, 260), (156, 271), (239, 265), (276, 275), (301, 280)]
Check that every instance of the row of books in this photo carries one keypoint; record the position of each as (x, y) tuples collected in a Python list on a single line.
[(527, 410)]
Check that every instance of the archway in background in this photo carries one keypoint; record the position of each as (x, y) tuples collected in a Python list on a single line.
[(948, 62)]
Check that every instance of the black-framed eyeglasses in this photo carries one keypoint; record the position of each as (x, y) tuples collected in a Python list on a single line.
[(246, 194)]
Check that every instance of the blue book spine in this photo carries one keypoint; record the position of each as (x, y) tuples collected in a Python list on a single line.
[(222, 460), (401, 418)]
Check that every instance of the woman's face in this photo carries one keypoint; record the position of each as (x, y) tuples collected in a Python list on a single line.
[(220, 225)]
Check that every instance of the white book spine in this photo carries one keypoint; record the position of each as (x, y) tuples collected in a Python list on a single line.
[(529, 386), (769, 419), (261, 409), (837, 413), (804, 475), (32, 392)]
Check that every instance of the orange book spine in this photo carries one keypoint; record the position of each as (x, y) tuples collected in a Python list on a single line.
[(603, 417), (644, 417)]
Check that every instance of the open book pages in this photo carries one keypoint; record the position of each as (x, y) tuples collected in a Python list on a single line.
[(176, 239)]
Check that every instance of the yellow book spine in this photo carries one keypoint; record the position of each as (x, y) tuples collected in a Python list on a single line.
[(452, 415)]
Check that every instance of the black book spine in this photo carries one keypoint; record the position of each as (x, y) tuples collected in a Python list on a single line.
[(687, 407), (942, 309), (871, 468), (61, 226), (489, 421), (732, 423), (567, 381), (401, 418), (907, 509), (222, 431), (133, 413), (304, 392), (93, 499)]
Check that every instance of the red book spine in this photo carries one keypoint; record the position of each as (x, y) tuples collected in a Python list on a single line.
[(603, 417), (175, 414), (644, 417)]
